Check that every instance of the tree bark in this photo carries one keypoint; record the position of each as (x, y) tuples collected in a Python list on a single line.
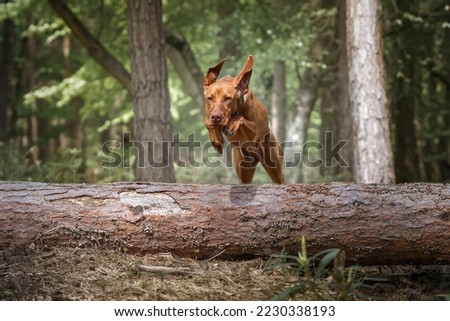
[(373, 159), (152, 121), (374, 224)]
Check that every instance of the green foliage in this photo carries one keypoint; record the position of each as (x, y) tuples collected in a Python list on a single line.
[(417, 46), (70, 91), (9, 295), (316, 281), (78, 106), (14, 9), (16, 164)]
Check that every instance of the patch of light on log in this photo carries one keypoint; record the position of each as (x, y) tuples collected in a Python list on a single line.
[(154, 203)]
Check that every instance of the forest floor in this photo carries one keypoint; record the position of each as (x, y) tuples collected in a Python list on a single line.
[(93, 274)]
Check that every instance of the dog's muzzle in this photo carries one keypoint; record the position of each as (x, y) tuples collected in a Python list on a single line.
[(216, 117)]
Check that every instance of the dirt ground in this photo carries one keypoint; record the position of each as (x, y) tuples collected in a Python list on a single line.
[(92, 274)]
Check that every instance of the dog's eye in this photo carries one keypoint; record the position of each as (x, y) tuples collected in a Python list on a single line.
[(210, 98), (228, 98)]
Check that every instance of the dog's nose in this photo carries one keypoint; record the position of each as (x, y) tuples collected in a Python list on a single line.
[(216, 118)]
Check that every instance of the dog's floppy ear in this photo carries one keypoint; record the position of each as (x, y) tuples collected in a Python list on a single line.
[(243, 79), (212, 74)]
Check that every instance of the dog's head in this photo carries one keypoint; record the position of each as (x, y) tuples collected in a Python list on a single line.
[(222, 96)]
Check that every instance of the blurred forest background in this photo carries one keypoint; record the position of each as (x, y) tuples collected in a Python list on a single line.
[(59, 106)]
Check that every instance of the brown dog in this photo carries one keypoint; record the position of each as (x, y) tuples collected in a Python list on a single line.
[(232, 110)]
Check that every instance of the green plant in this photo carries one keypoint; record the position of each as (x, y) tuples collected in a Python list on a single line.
[(319, 281), (9, 294)]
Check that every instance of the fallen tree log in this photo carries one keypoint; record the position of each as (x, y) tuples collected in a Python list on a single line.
[(374, 224)]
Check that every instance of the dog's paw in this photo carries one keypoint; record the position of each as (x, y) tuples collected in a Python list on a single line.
[(227, 131), (218, 147), (232, 127)]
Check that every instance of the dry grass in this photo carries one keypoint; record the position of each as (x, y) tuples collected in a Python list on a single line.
[(92, 274)]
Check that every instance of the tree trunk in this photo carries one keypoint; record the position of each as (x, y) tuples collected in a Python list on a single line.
[(332, 162), (344, 133), (374, 224), (36, 150), (6, 75), (404, 62), (152, 122), (306, 98), (406, 158), (298, 126), (336, 125), (445, 79), (373, 159), (179, 54), (278, 105)]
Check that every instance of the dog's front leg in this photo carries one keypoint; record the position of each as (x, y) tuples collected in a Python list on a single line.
[(240, 129), (215, 136)]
